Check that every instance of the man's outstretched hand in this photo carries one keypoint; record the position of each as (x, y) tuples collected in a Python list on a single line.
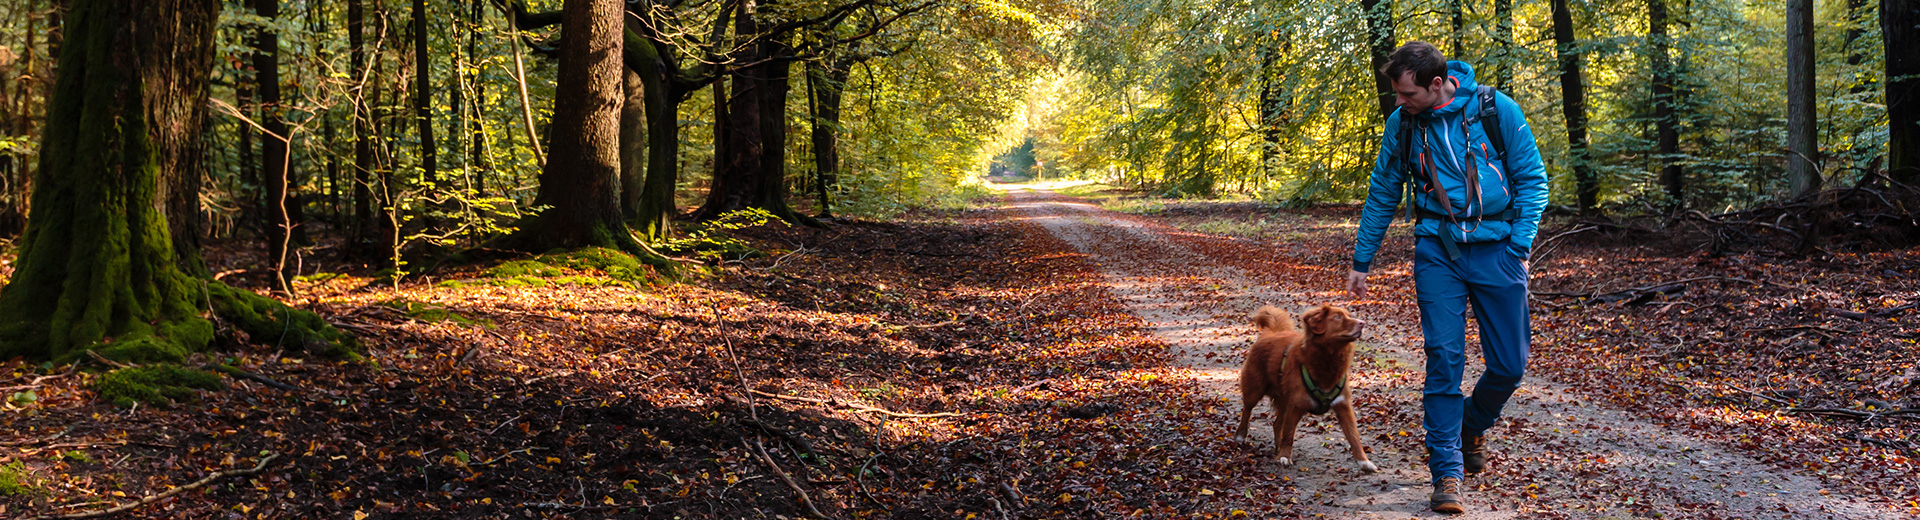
[(1357, 284)]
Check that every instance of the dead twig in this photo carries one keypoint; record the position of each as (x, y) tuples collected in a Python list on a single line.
[(103, 360), (236, 372), (55, 437), (857, 408), (804, 499), (168, 493)]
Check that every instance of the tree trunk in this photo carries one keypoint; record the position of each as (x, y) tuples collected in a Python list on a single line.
[(825, 86), (1503, 42), (1457, 15), (1666, 123), (423, 93), (98, 268), (1900, 32), (654, 207), (476, 133), (1379, 15), (580, 183), (282, 213), (633, 144), (362, 125), (1803, 154), (750, 159), (1573, 92)]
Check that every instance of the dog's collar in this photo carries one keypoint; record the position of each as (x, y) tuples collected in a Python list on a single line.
[(1322, 399)]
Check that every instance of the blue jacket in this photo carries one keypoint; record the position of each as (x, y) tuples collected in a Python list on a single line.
[(1451, 144)]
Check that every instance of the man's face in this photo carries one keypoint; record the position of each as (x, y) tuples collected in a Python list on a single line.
[(1415, 98)]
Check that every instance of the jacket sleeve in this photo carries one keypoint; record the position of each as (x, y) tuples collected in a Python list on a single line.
[(1383, 195), (1528, 173)]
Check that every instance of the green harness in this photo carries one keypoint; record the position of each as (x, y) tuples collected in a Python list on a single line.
[(1322, 399)]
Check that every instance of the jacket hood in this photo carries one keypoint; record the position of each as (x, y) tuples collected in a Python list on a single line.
[(1461, 72)]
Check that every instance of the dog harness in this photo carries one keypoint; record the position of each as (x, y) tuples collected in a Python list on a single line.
[(1322, 399)]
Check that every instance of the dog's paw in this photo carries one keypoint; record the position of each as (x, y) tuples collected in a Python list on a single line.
[(1367, 466), (1283, 461)]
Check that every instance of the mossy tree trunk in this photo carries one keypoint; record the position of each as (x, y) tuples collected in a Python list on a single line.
[(98, 267)]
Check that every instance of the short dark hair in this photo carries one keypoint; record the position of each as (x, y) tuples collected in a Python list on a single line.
[(1421, 58)]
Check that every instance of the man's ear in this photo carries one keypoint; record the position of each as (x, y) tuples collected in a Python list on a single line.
[(1316, 320)]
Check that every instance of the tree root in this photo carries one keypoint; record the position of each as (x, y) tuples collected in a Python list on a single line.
[(168, 493)]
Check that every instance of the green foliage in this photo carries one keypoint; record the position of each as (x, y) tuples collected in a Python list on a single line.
[(15, 480), (433, 313), (713, 240), (158, 385), (76, 456)]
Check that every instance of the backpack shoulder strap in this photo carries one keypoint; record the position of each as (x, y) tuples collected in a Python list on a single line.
[(1405, 154), (1490, 120)]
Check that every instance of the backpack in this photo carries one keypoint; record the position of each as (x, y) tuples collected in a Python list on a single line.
[(1489, 119)]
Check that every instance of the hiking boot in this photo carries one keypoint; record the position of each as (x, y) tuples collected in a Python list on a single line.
[(1446, 497), (1473, 453)]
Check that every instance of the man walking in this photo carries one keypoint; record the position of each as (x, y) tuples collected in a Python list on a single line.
[(1479, 190)]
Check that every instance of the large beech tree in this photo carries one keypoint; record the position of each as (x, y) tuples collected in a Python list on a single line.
[(98, 267), (580, 185)]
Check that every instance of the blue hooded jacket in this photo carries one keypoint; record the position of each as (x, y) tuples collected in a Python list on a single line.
[(1451, 144)]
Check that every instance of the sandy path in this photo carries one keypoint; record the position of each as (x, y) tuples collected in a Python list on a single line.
[(1556, 456)]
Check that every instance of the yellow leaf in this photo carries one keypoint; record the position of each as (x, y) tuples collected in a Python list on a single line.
[(357, 515), (608, 501), (553, 460), (1205, 491)]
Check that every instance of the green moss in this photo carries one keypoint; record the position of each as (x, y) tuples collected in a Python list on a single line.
[(593, 266), (433, 313), (15, 481), (76, 456), (154, 385), (270, 322), (520, 268), (614, 263)]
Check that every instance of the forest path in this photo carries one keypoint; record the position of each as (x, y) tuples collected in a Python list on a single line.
[(1554, 453)]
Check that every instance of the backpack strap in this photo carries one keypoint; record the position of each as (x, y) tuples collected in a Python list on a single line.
[(1407, 164), (1490, 121)]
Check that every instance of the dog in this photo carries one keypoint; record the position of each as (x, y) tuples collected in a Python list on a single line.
[(1304, 370)]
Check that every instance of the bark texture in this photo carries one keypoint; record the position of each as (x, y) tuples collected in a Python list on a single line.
[(1665, 119), (1803, 153), (580, 184), (97, 267), (1573, 92), (1900, 29), (1379, 15)]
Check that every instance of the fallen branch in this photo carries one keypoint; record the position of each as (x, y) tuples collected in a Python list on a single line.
[(784, 478), (956, 321), (1855, 414), (562, 373), (857, 408), (168, 493), (103, 360), (236, 372), (791, 438), (55, 437)]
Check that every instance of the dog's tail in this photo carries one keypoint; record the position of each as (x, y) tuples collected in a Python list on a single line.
[(1272, 319)]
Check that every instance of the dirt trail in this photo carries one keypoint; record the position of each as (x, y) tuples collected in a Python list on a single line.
[(1555, 454)]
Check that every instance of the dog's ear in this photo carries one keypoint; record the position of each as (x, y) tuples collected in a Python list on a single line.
[(1316, 320)]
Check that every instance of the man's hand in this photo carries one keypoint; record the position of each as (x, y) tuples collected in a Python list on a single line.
[(1357, 284)]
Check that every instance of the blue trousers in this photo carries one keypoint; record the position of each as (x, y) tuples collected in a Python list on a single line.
[(1490, 278)]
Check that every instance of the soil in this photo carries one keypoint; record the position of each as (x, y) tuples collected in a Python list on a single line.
[(1036, 358)]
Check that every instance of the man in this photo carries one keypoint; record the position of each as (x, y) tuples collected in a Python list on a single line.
[(1478, 210)]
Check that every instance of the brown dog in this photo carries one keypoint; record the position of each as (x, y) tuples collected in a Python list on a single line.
[(1304, 371)]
